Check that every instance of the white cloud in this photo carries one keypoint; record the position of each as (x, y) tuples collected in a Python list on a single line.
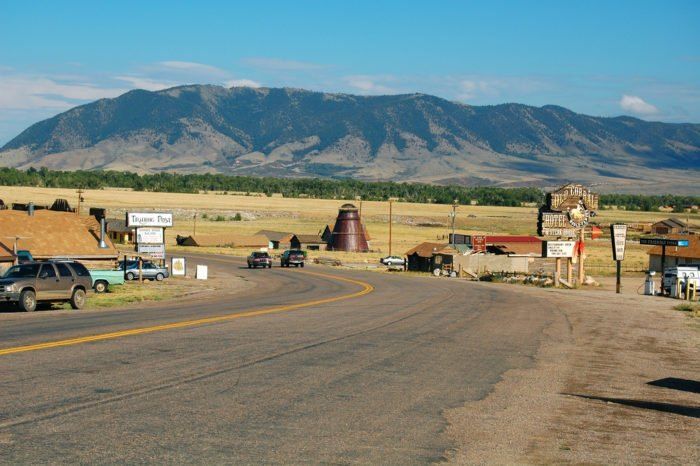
[(192, 67), (637, 105), (20, 92), (366, 84), (137, 82), (469, 89), (280, 64), (242, 83)]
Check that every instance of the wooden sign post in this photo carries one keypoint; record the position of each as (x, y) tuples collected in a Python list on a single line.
[(618, 236)]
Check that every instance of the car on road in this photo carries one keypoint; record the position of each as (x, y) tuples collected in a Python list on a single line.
[(392, 260), (293, 257), (149, 271), (259, 259), (33, 282)]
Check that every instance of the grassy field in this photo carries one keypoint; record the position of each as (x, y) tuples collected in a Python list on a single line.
[(413, 223)]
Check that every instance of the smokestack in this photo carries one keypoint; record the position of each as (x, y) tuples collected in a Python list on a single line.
[(30, 209), (103, 232)]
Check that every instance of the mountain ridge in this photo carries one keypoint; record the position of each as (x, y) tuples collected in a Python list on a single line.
[(407, 137)]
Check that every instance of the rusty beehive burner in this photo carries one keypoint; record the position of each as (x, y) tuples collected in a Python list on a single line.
[(348, 232)]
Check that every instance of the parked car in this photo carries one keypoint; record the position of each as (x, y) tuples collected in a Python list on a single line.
[(51, 281), (392, 260), (102, 279), (149, 271), (293, 257), (259, 259), (24, 256)]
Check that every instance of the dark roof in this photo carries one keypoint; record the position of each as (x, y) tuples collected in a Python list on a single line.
[(273, 235), (673, 223), (310, 239), (426, 249), (118, 226)]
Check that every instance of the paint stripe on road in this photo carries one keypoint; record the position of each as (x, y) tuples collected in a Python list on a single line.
[(366, 289)]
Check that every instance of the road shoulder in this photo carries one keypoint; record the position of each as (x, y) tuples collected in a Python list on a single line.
[(609, 386)]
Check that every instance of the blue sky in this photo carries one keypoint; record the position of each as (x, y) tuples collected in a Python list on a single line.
[(607, 58)]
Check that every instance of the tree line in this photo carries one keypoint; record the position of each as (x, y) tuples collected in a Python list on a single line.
[(317, 188)]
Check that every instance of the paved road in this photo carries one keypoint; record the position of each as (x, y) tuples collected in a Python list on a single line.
[(362, 379)]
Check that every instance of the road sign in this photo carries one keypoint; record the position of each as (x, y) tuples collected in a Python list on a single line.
[(618, 233), (149, 219), (664, 242), (558, 248)]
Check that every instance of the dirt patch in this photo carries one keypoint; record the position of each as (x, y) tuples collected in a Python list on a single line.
[(616, 381)]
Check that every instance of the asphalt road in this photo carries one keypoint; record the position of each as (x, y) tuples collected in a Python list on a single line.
[(361, 373)]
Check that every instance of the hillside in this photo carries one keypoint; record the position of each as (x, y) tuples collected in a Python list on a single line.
[(415, 137)]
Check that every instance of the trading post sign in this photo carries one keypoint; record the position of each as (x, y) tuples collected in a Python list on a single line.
[(149, 219), (618, 235), (558, 248)]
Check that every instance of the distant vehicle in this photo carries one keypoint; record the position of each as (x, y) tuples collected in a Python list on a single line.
[(690, 272), (293, 257), (149, 271), (259, 259), (102, 279), (392, 260), (24, 256), (51, 281)]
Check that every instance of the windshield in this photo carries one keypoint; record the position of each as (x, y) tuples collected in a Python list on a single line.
[(23, 271)]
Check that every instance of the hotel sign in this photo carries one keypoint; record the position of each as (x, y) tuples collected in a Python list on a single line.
[(567, 210)]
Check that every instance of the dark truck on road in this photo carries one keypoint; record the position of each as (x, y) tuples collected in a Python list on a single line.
[(259, 259), (293, 257), (33, 282)]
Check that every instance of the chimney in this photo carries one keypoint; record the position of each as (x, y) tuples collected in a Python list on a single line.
[(30, 209), (103, 228)]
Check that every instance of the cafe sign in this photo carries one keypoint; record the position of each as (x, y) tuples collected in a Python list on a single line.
[(558, 248)]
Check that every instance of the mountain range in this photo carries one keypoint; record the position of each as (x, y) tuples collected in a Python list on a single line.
[(413, 137)]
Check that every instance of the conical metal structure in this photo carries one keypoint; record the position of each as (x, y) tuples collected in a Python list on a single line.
[(348, 232)]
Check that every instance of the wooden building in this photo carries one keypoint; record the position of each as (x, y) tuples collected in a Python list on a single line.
[(670, 226), (676, 255)]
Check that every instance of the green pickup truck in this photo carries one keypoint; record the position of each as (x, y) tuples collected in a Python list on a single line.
[(102, 279)]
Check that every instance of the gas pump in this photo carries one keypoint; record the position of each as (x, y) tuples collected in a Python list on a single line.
[(649, 286)]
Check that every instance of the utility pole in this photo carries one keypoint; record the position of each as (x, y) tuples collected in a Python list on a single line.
[(194, 230), (391, 202), (453, 215), (80, 199)]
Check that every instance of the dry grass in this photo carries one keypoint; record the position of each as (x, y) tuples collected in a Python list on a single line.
[(413, 223)]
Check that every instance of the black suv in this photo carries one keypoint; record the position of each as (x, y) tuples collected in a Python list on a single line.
[(293, 257)]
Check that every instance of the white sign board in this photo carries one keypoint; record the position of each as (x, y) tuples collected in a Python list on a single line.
[(202, 272), (178, 266), (618, 233), (559, 248), (149, 219), (156, 251), (149, 235)]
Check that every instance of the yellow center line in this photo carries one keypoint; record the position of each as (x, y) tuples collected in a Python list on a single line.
[(366, 289)]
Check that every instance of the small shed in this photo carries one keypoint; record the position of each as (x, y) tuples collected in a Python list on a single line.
[(670, 226), (118, 232), (420, 258), (310, 242), (276, 239)]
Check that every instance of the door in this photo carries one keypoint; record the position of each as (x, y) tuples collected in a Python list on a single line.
[(48, 284), (67, 280)]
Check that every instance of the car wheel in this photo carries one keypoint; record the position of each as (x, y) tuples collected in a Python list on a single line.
[(250, 266), (27, 301), (101, 286), (269, 266), (160, 277), (130, 276), (301, 265), (77, 301)]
